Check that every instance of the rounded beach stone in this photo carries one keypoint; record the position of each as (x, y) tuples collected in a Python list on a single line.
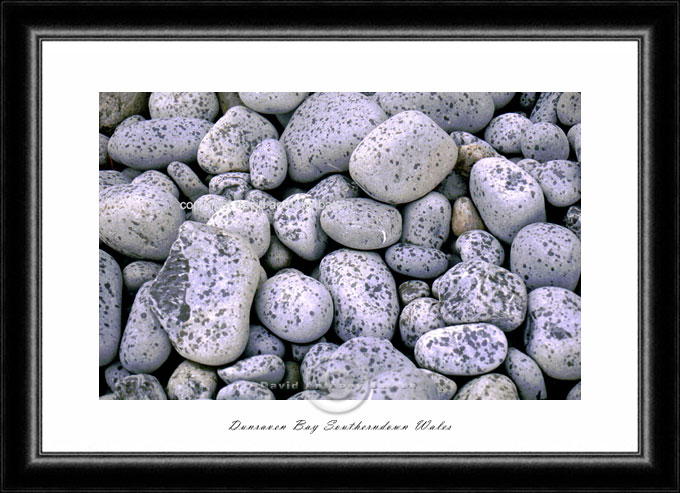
[(464, 138), (202, 105), (300, 350), (526, 374), (103, 150), (334, 187), (313, 367), (477, 291), (531, 166), (465, 217), (469, 154), (362, 224), (574, 138), (298, 226), (140, 388), (403, 159), (569, 108), (263, 369), (190, 184), (157, 179), (324, 130), (553, 332), (406, 384), (139, 221), (145, 345), (228, 100), (545, 254), (545, 109), (294, 307), (229, 143), (153, 144), (261, 341), (267, 203), (453, 186), (560, 181), (427, 221), (131, 173), (114, 107), (573, 220), (206, 206), (364, 294), (203, 294), (468, 111), (575, 393), (244, 218), (418, 317), (272, 102), (191, 382), (243, 390), (504, 133), (480, 245), (446, 388), (278, 256), (110, 298), (469, 350), (229, 186), (545, 141), (507, 197), (492, 386), (268, 164), (110, 178), (527, 100), (416, 261), (501, 99), (130, 120), (411, 290), (113, 373)]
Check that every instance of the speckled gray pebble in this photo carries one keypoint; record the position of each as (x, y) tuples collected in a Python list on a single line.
[(246, 219), (501, 99), (560, 181), (268, 164), (324, 130), (187, 180), (427, 221), (572, 220), (229, 186), (462, 138), (492, 386), (314, 364), (527, 100), (546, 254), (144, 346), (477, 291), (261, 341), (574, 138), (553, 332), (294, 307), (545, 141), (229, 143), (113, 373), (153, 144), (131, 173), (446, 388), (300, 350), (505, 132), (545, 109), (575, 393), (110, 298), (206, 206), (140, 388), (453, 186), (103, 150), (469, 349), (526, 374), (264, 369), (364, 294), (202, 105), (114, 107), (157, 179), (569, 108), (334, 187), (130, 120), (243, 390), (416, 261), (362, 224), (192, 381), (507, 197), (411, 290), (203, 294), (267, 203), (297, 224), (480, 245), (418, 317), (272, 102), (405, 384), (403, 159), (278, 256), (109, 178)]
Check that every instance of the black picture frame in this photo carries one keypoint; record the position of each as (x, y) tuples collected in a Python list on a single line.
[(654, 25)]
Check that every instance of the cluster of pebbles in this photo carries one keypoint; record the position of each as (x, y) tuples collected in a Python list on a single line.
[(339, 245)]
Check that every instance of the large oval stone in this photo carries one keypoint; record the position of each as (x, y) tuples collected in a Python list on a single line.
[(110, 298)]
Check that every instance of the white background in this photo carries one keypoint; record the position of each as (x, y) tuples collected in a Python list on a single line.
[(73, 74)]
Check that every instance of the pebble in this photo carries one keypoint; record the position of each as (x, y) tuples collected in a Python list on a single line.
[(272, 102), (468, 111), (114, 373), (300, 350), (110, 298), (153, 144), (573, 220), (261, 341), (477, 291), (243, 390), (546, 254), (268, 165), (334, 187), (206, 206), (262, 369), (140, 388), (507, 197), (560, 181), (545, 141), (552, 336), (575, 393), (465, 217), (427, 221), (191, 382), (527, 100), (267, 203), (157, 179), (505, 132), (468, 350), (110, 178), (406, 384), (453, 186), (313, 367), (501, 99), (412, 290), (185, 178), (203, 294), (202, 105), (362, 224), (526, 375), (403, 159), (130, 120), (469, 154), (246, 219), (545, 109), (229, 143), (294, 307), (417, 318), (131, 173), (480, 245), (492, 386), (228, 100), (324, 130), (464, 138), (416, 261), (298, 226), (278, 256), (103, 150), (531, 166), (569, 108), (139, 221), (114, 107), (574, 138), (446, 388), (229, 186), (145, 345)]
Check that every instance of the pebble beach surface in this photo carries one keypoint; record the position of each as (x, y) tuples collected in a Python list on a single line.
[(325, 246)]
